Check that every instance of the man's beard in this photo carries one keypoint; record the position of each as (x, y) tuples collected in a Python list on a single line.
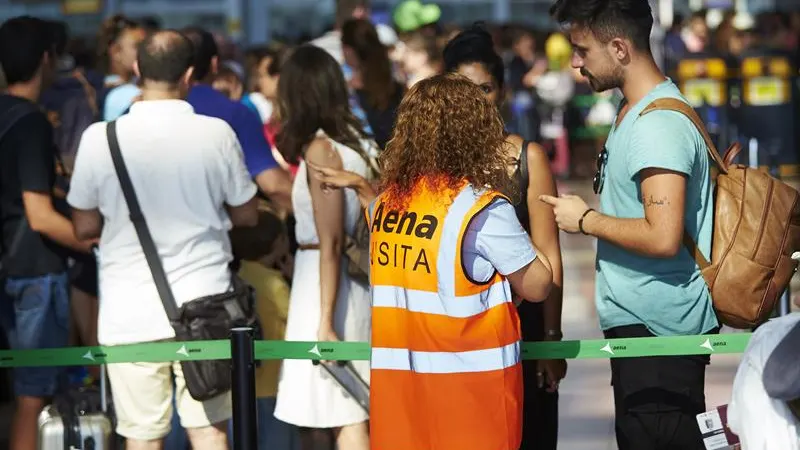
[(603, 83)]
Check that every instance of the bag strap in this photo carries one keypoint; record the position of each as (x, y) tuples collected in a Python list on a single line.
[(136, 216), (674, 104), (523, 163), (14, 115)]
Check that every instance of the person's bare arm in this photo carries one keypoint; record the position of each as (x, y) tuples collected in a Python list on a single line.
[(245, 215), (88, 223), (544, 231), (44, 219), (329, 221), (545, 235), (276, 183), (366, 192), (659, 234), (534, 281), (332, 179)]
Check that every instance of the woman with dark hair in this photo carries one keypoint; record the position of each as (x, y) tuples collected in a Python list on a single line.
[(472, 54), (117, 45), (116, 48), (318, 127), (373, 79)]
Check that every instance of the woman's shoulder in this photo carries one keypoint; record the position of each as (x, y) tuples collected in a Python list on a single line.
[(323, 152), (534, 154)]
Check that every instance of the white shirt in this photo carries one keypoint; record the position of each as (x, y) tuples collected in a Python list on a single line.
[(184, 168), (761, 422), (331, 42), (495, 240)]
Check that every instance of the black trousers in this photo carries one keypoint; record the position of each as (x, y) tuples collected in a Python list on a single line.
[(658, 398), (540, 408)]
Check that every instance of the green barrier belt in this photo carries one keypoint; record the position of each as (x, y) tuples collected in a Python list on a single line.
[(351, 351)]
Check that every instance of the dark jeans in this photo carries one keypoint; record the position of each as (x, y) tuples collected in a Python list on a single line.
[(35, 315), (540, 408), (657, 398)]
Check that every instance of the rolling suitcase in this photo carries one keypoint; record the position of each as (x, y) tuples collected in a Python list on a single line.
[(80, 418), (77, 420)]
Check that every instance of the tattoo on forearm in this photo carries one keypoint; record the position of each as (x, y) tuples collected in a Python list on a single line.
[(656, 202)]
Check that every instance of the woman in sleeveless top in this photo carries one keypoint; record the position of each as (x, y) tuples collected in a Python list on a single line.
[(471, 54), (325, 305)]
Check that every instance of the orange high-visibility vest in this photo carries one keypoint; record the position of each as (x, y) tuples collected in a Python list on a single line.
[(446, 372)]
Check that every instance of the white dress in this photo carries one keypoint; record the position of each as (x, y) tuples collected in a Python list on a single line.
[(307, 396)]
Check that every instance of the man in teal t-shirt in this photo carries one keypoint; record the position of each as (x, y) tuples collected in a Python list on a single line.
[(667, 295), (654, 182)]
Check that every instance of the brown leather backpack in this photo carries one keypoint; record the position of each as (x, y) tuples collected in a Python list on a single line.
[(756, 231)]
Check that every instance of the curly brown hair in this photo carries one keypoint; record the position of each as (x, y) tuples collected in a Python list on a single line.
[(446, 132)]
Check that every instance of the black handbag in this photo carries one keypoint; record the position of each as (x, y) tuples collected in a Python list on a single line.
[(205, 318)]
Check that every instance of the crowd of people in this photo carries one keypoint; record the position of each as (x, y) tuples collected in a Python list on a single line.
[(265, 167)]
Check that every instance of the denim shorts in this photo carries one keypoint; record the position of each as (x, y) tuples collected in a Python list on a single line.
[(35, 314)]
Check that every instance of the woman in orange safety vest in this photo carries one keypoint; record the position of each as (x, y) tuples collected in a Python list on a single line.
[(446, 251)]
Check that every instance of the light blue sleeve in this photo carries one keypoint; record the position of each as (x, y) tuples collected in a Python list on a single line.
[(662, 140), (119, 100), (495, 240), (249, 103)]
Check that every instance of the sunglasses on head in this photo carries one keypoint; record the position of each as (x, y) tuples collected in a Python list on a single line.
[(600, 175)]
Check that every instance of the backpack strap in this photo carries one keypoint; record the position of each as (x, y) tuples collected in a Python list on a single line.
[(674, 104), (523, 164)]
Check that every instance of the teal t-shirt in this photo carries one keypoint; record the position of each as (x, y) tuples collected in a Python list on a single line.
[(668, 296)]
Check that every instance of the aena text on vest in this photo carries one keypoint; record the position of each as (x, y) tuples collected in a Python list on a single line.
[(408, 224)]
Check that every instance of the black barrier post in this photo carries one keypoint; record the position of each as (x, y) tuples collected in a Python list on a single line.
[(245, 428)]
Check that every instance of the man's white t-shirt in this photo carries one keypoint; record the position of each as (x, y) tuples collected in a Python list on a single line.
[(184, 168), (762, 422)]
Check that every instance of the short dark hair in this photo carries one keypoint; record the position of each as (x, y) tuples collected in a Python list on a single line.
[(165, 56), (205, 50), (24, 41), (608, 19)]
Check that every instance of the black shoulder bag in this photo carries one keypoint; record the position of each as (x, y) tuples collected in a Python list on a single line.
[(522, 177), (202, 319)]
